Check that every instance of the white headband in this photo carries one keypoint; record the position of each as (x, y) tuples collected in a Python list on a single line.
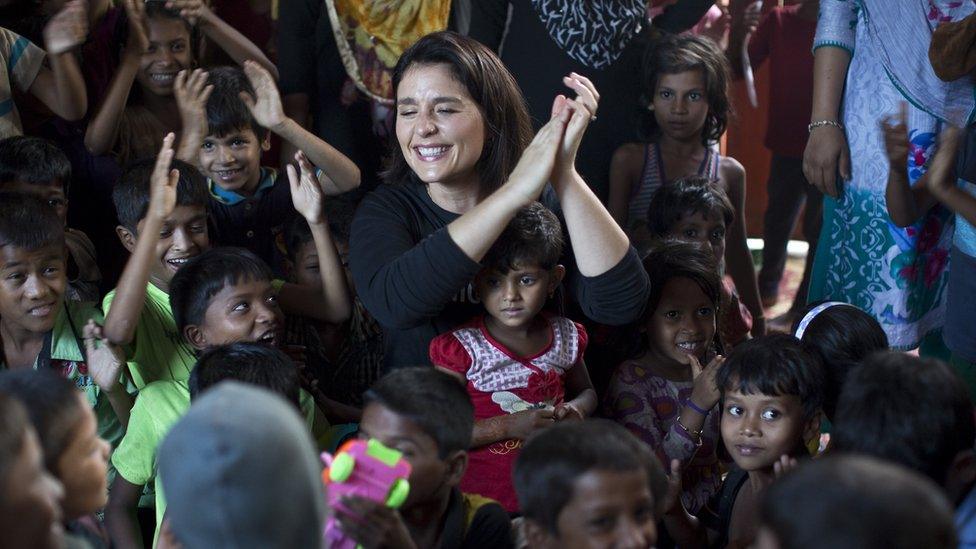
[(808, 318)]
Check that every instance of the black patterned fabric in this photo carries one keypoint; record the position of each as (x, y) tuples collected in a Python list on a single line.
[(592, 33)]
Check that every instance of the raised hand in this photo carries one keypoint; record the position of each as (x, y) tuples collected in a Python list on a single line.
[(941, 175), (306, 192), (535, 166), (672, 498), (192, 91), (138, 41), (895, 131), (105, 360), (583, 110), (704, 392), (265, 106), (162, 183), (68, 28), (193, 11)]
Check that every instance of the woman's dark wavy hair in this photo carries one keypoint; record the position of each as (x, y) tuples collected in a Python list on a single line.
[(676, 259), (508, 128), (671, 54)]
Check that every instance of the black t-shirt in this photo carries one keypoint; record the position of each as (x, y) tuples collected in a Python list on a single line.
[(473, 522), (416, 281)]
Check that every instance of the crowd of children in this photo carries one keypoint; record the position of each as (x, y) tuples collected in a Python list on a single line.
[(268, 313)]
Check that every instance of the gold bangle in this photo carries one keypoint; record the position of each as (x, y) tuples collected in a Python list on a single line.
[(691, 433)]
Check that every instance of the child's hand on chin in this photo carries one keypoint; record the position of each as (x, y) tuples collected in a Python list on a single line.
[(373, 524)]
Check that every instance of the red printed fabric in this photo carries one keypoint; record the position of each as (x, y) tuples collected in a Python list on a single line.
[(500, 382)]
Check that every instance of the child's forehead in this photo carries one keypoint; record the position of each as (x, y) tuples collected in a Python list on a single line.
[(11, 254), (43, 189), (701, 215), (380, 420), (753, 395), (243, 132)]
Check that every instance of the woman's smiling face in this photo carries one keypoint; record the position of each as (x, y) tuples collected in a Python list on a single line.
[(439, 126)]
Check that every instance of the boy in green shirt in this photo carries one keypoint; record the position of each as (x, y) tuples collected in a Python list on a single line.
[(222, 296), (39, 327)]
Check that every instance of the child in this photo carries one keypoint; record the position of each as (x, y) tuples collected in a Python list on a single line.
[(842, 336), (523, 368), (686, 78), (664, 396), (915, 412), (161, 404), (941, 184), (428, 416), (695, 210), (234, 115), (59, 87), (37, 166), (352, 352), (39, 328), (30, 497), (771, 391), (73, 451), (162, 209), (227, 489), (855, 501), (161, 42), (589, 484), (784, 37)]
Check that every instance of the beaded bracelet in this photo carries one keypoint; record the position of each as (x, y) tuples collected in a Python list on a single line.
[(814, 125)]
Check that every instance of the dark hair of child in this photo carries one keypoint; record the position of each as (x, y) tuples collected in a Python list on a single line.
[(692, 194), (508, 127), (675, 259), (28, 222), (13, 425), (338, 209), (204, 276), (433, 400), (672, 54), (250, 363), (533, 237), (226, 112), (909, 410), (131, 193), (552, 461), (52, 404), (33, 160), (857, 502), (842, 336), (774, 364)]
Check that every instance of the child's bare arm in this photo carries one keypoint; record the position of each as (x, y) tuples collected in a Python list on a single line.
[(341, 174), (905, 203), (130, 294), (103, 129), (106, 363), (226, 37), (582, 402), (683, 527), (942, 177), (518, 426), (625, 169), (307, 196), (62, 88), (192, 91), (120, 514), (738, 258)]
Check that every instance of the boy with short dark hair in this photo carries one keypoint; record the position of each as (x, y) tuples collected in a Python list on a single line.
[(771, 396), (855, 502), (248, 310), (39, 328), (161, 205), (915, 412), (225, 135), (589, 484), (247, 362), (694, 209), (36, 166), (351, 352), (428, 416)]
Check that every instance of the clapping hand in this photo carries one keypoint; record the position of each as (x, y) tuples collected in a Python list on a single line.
[(68, 28)]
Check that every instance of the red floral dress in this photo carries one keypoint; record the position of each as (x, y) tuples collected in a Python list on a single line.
[(501, 382)]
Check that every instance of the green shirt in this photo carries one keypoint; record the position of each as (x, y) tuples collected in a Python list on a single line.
[(157, 352), (67, 356), (159, 406)]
